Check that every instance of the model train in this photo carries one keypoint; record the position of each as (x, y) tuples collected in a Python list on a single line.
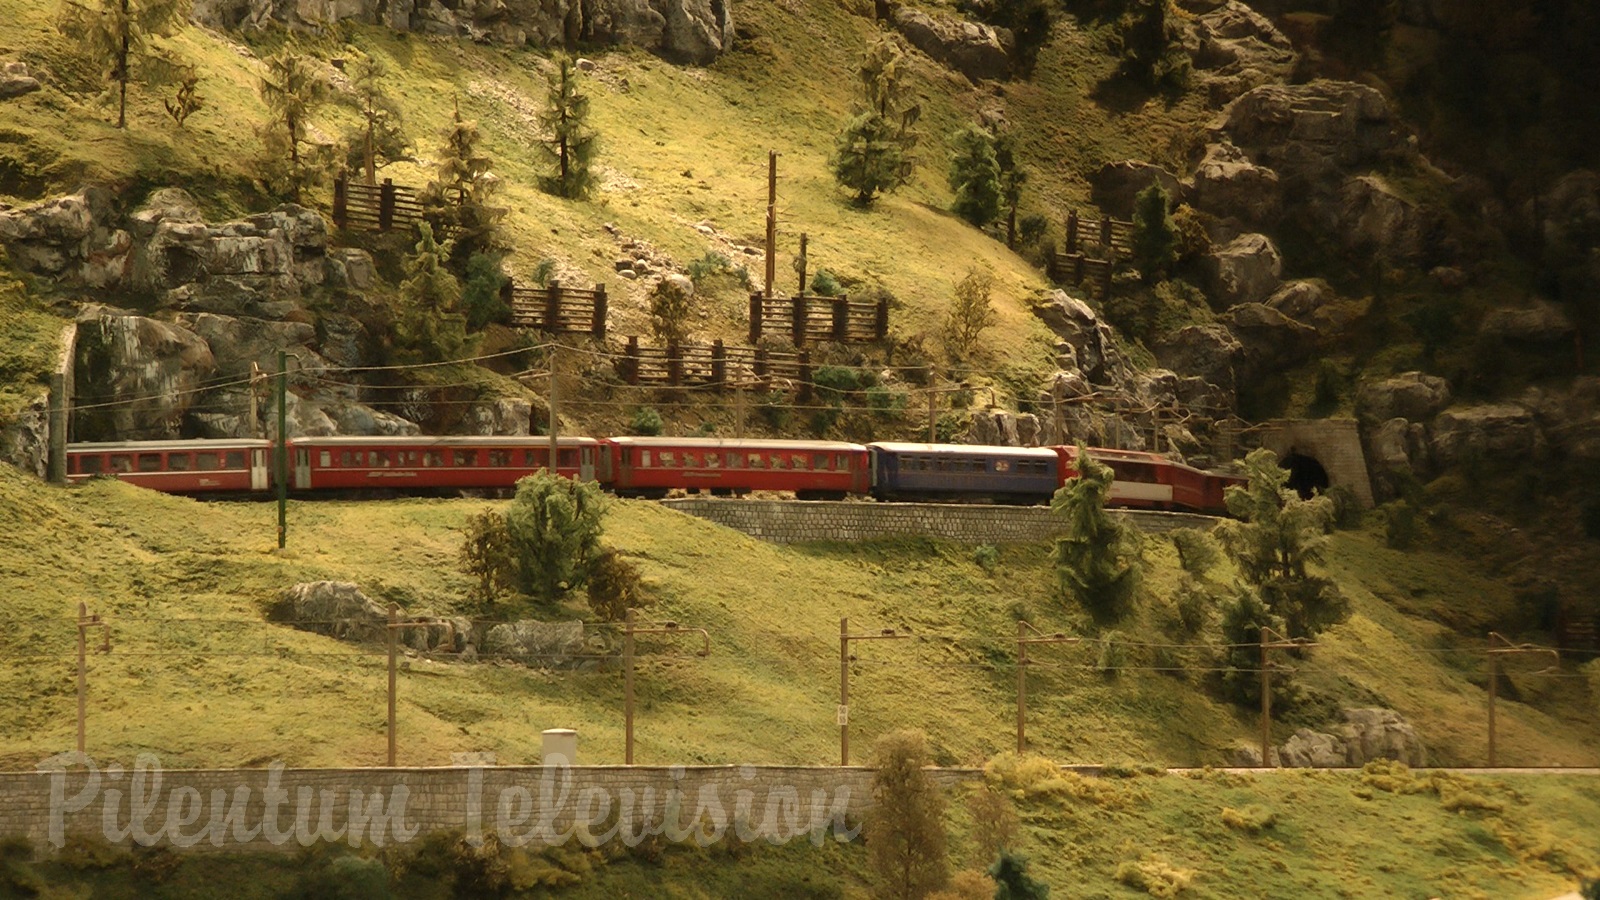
[(651, 467)]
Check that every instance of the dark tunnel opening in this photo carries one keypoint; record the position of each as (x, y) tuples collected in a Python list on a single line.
[(1307, 477)]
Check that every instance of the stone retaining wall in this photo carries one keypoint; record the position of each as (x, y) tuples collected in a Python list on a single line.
[(282, 810), (792, 521)]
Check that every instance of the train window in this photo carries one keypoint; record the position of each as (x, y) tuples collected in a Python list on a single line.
[(841, 462), (178, 462), (121, 462), (819, 461), (347, 459), (1136, 472), (327, 459), (567, 458), (713, 460), (644, 459), (668, 458), (798, 462), (756, 460), (735, 460), (149, 462), (205, 462), (233, 459), (691, 460), (464, 458), (408, 458), (500, 458), (778, 462), (432, 458), (89, 465)]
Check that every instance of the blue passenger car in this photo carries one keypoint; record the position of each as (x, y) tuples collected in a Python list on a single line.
[(963, 474)]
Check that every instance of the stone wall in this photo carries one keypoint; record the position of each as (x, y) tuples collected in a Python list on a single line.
[(789, 522), (281, 810)]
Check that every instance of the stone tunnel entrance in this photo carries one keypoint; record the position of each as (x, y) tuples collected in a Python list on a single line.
[(1307, 477)]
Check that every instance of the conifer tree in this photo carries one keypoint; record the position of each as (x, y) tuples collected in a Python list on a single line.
[(293, 91), (872, 155), (571, 145), (457, 201), (429, 328), (117, 33), (382, 133), (555, 527), (1096, 560), (1155, 235), (1012, 178), (975, 176)]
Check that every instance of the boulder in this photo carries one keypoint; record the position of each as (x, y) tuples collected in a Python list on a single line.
[(1247, 269), (1305, 132), (1001, 428), (980, 52), (58, 236), (505, 415), (1235, 49), (25, 434), (154, 369), (1114, 187), (1542, 323), (1497, 431), (1312, 749), (1371, 217), (335, 608), (1227, 184), (237, 343), (1271, 340), (1091, 339), (547, 644), (1398, 448), (1210, 352), (1409, 395), (15, 80), (355, 418), (1372, 734), (350, 268)]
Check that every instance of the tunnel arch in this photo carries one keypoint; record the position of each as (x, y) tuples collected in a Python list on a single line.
[(1307, 476)]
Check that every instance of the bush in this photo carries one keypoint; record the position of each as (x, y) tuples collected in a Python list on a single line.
[(1155, 877), (554, 528), (343, 877), (1197, 551), (995, 824), (1097, 559), (974, 176), (825, 284), (1113, 656), (480, 295), (646, 421), (670, 305), (1251, 819), (970, 315), (987, 557), (486, 554), (712, 263), (614, 587), (1400, 528), (905, 828)]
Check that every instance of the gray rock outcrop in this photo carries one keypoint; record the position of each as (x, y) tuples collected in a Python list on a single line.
[(1114, 187), (1234, 49), (1271, 341), (1091, 340), (980, 52), (154, 370), (1495, 431), (15, 80), (1228, 185), (67, 236), (1309, 132), (1397, 449), (548, 644), (1370, 216), (1540, 324), (1409, 395), (1247, 269), (1210, 352), (1364, 736)]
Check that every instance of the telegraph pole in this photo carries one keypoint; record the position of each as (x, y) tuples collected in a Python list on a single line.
[(1022, 671), (627, 669), (552, 400), (395, 625), (845, 637), (281, 469), (772, 220), (1266, 685)]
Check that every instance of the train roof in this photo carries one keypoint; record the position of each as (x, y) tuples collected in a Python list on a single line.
[(441, 440), (158, 446), (737, 444), (962, 449)]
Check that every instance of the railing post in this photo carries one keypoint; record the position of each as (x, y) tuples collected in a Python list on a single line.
[(601, 308), (880, 322), (674, 364), (719, 364), (805, 376), (552, 306), (508, 296), (760, 367), (755, 319), (386, 205), (841, 319), (1077, 268), (1052, 263), (797, 324), (631, 360), (1072, 232), (1105, 234), (341, 201)]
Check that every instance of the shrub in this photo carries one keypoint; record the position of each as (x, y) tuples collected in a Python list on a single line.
[(1197, 550), (905, 827), (1193, 606), (670, 305), (994, 822), (554, 527), (1155, 235), (970, 315), (825, 284), (1400, 527), (1251, 819), (614, 587), (486, 554), (646, 421), (343, 877), (1097, 559), (974, 176), (711, 263), (1113, 656), (987, 557), (480, 295), (1155, 877)]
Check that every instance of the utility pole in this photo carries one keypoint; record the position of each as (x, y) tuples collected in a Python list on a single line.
[(845, 637), (738, 410), (801, 264), (772, 220), (85, 622), (1266, 685), (932, 393), (627, 669), (395, 625), (1022, 671), (1495, 652), (281, 473), (552, 401)]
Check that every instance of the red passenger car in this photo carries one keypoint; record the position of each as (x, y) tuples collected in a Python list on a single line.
[(1151, 481), (811, 470), (407, 463), (176, 467)]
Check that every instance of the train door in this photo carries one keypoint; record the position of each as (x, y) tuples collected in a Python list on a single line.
[(258, 470), (302, 468), (586, 463)]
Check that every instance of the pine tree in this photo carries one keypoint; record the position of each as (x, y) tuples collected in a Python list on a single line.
[(1096, 560), (1155, 235), (555, 526), (571, 146), (1012, 178), (429, 328), (457, 201), (382, 133), (872, 155), (905, 827), (975, 176), (292, 91), (117, 34)]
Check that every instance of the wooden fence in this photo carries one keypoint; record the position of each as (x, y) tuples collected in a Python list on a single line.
[(1115, 235), (805, 319), (554, 308), (1077, 269), (715, 365), (374, 207)]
